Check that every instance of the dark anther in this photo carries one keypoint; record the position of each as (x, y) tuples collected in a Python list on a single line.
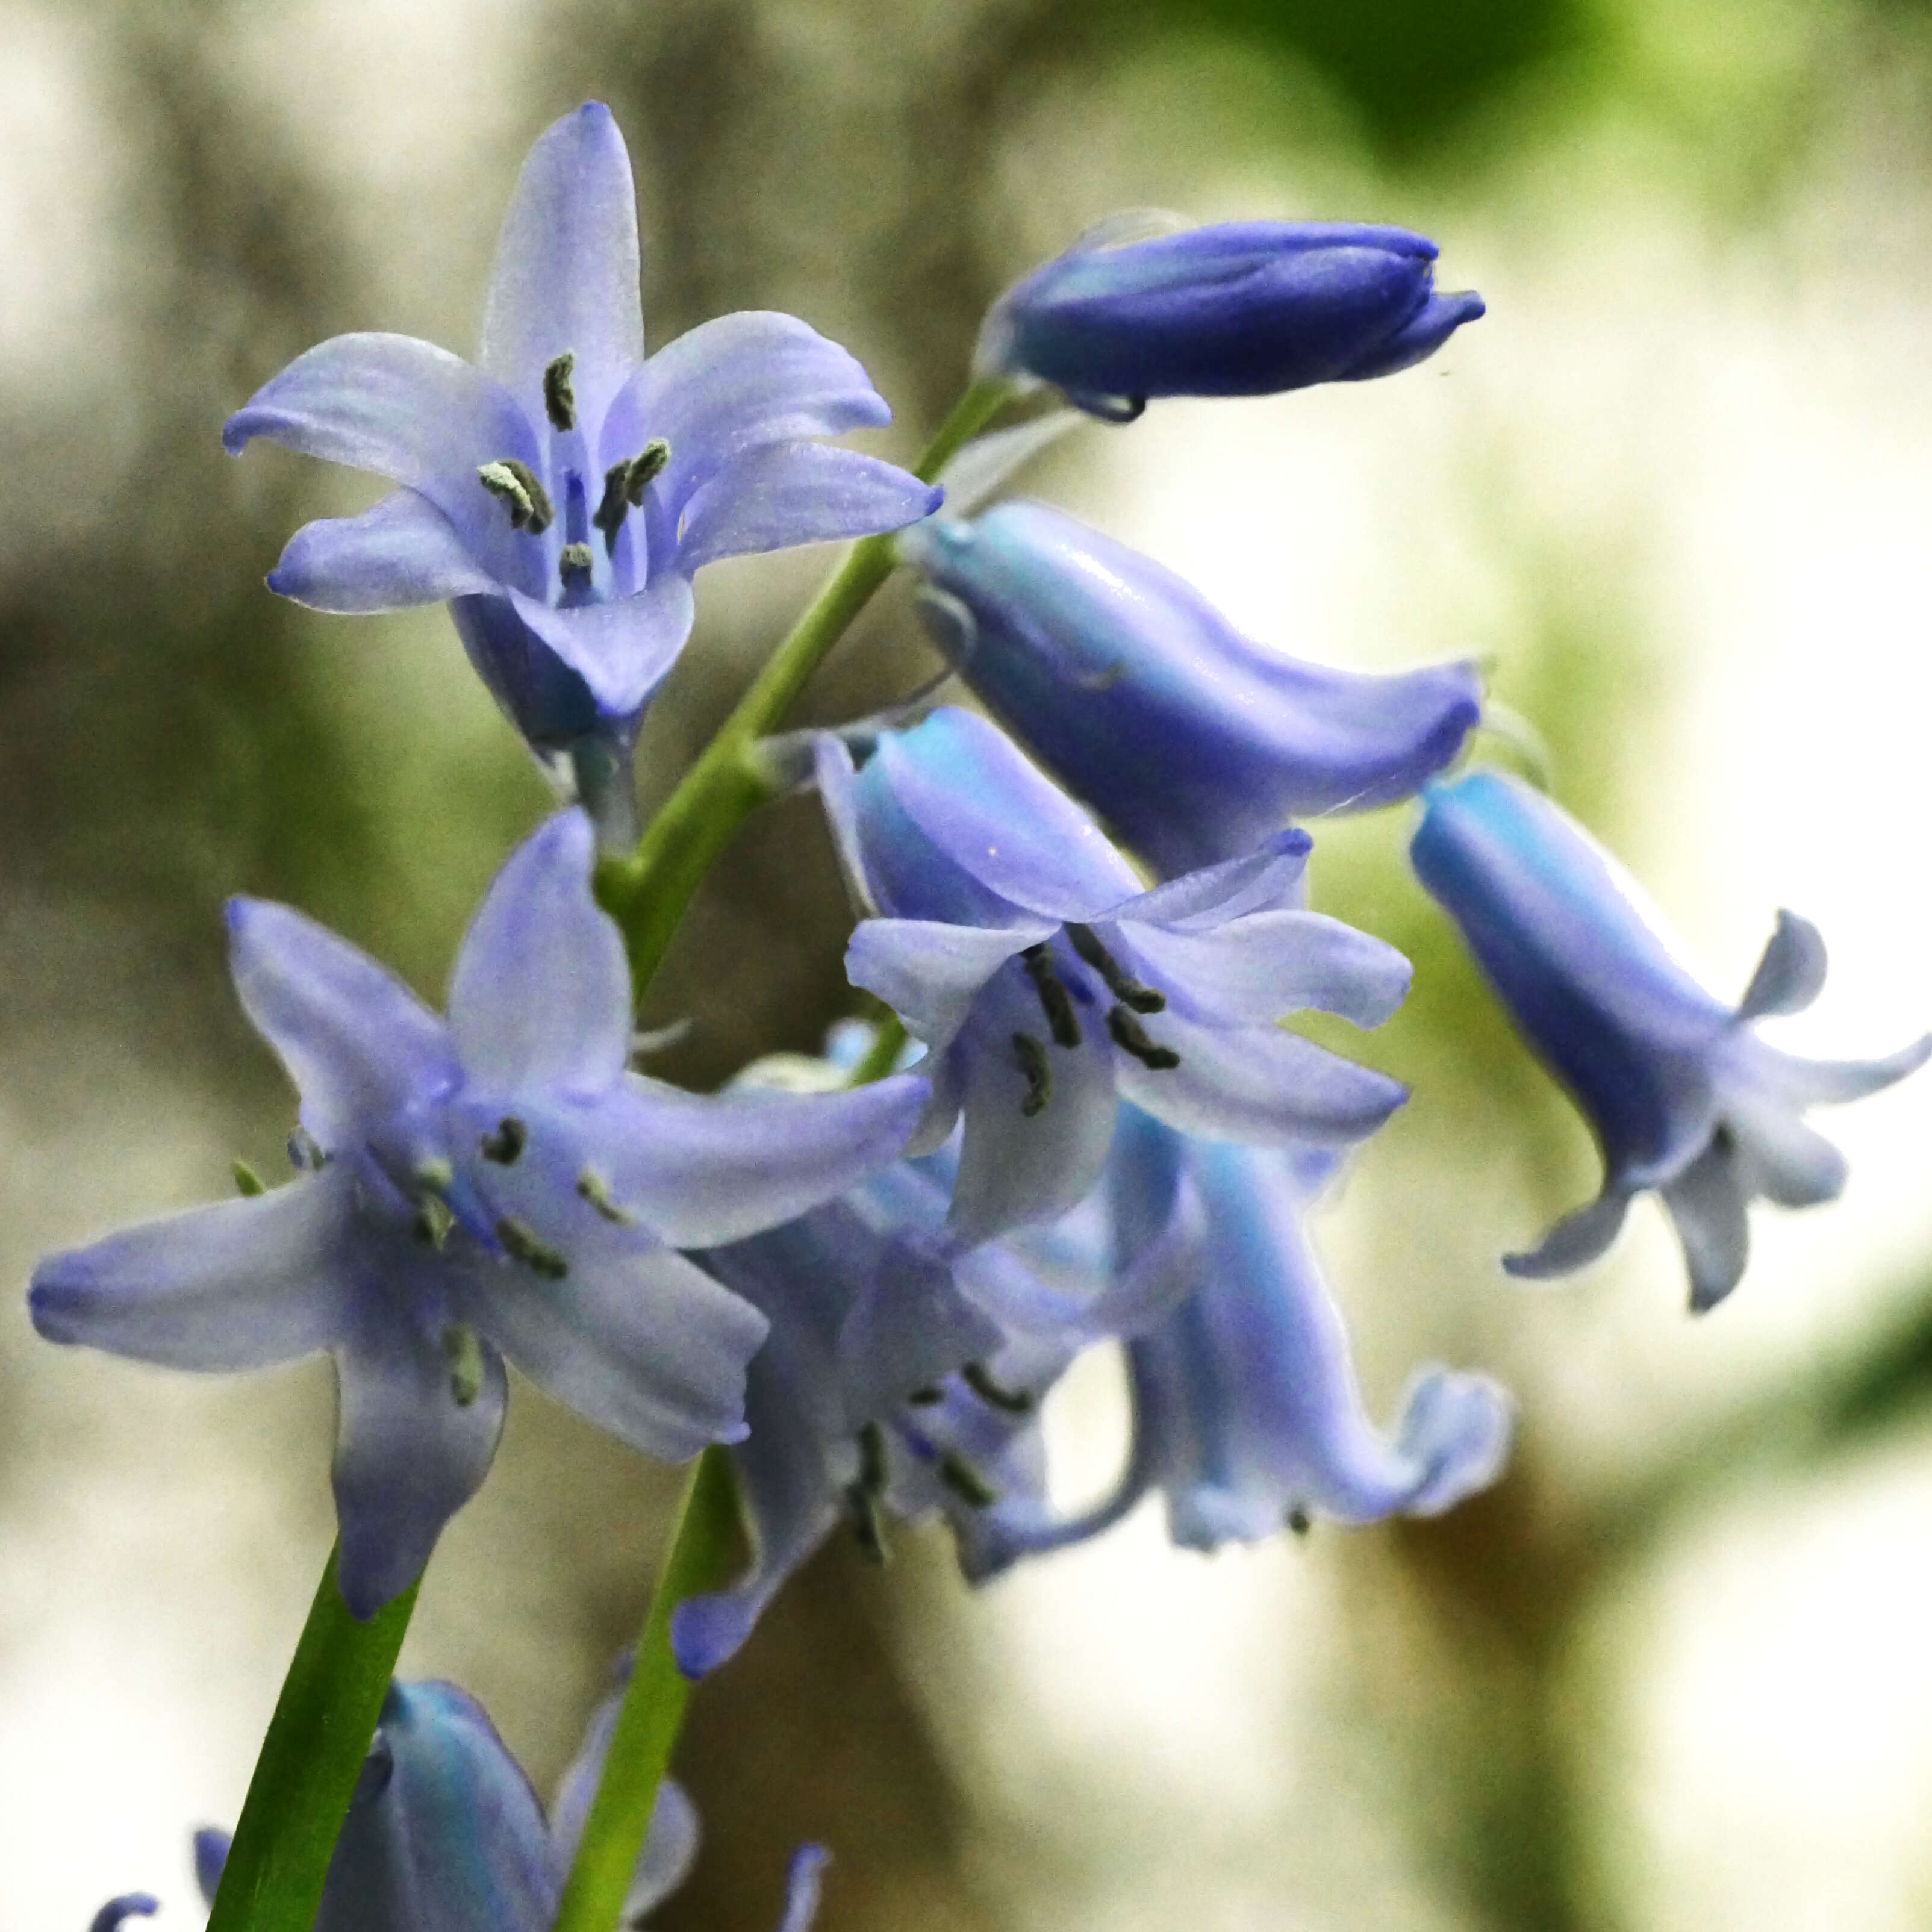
[(592, 1187), (1008, 1402), (966, 1482), (433, 1221), (624, 487), (560, 402), (862, 1498), (1058, 1008), (506, 1143), (521, 1243), (247, 1180), (526, 499), (1123, 986), (1130, 1036), (646, 467), (304, 1152), (464, 1353), (867, 1524), (926, 1398), (1299, 1521), (872, 1459), (573, 565), (1032, 1058)]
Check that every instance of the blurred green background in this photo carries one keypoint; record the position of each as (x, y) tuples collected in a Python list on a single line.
[(1675, 488)]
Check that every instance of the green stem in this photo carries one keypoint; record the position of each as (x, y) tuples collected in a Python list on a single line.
[(316, 1741), (646, 891), (703, 1540), (882, 1056)]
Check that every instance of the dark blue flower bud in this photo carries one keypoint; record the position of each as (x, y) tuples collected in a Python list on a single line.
[(1242, 308)]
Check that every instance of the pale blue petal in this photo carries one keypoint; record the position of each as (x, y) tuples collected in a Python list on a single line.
[(930, 974), (408, 1455), (402, 552), (129, 1905), (1578, 1239), (731, 384), (701, 1170), (540, 996), (670, 1845), (1271, 879), (803, 1876), (1258, 1084), (566, 272), (358, 1044), (405, 409), (966, 786), (1256, 968), (1707, 1202), (622, 648), (211, 1855), (1015, 1170), (1808, 1083), (242, 1284), (773, 497), (1791, 974), (444, 1834), (1457, 1428), (637, 1340)]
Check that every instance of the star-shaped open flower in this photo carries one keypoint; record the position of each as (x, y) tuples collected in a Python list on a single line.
[(1020, 947), (496, 1185), (1681, 1093), (561, 492)]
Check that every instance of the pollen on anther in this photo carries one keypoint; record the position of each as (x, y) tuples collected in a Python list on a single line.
[(559, 401)]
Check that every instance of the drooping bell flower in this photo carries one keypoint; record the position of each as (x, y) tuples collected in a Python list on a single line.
[(1019, 945), (1246, 1414), (903, 1372), (498, 1184), (444, 1833), (1192, 743), (1681, 1093), (561, 492), (1239, 308)]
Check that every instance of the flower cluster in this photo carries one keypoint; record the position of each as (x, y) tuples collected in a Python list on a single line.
[(1088, 918)]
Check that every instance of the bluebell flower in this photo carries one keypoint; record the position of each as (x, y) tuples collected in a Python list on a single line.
[(1241, 308), (904, 1371), (445, 1834), (1018, 945), (561, 492), (1192, 743), (1246, 1415), (496, 1185), (1681, 1093)]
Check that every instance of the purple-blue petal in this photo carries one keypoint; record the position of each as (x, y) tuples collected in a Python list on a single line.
[(242, 1284), (1192, 743), (402, 552), (541, 995), (449, 1837), (408, 1454), (1241, 309), (566, 277), (406, 410), (622, 649), (358, 1044), (778, 495)]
